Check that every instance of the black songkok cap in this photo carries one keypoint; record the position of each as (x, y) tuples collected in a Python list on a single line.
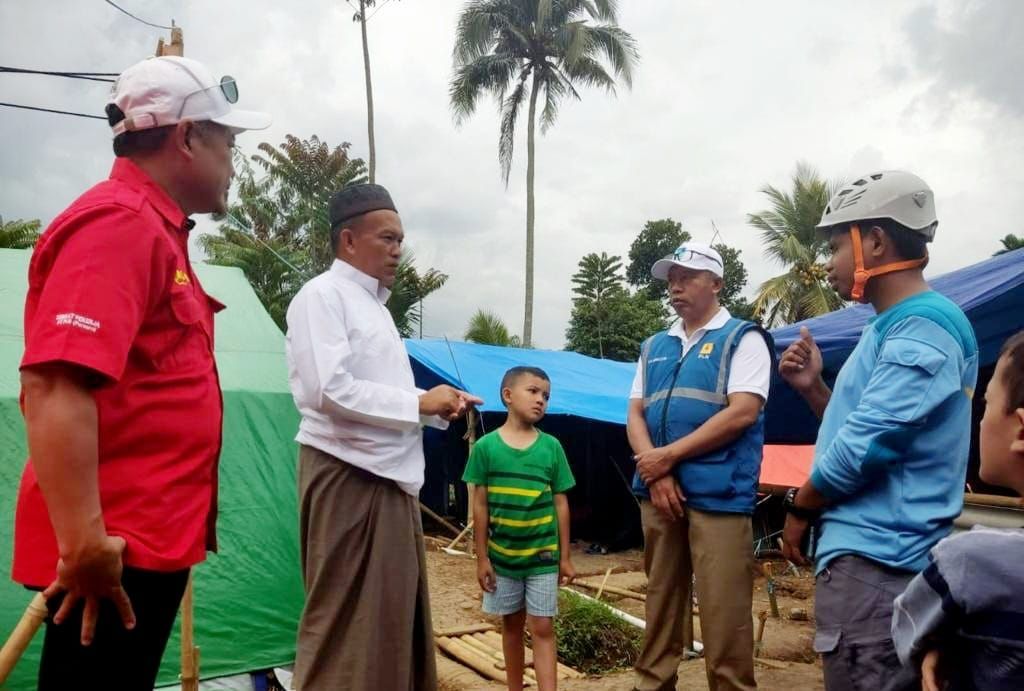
[(356, 200)]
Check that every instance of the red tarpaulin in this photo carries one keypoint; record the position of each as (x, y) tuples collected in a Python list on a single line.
[(786, 466)]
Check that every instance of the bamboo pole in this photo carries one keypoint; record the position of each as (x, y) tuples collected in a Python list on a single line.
[(458, 538), (427, 510), (564, 671), (189, 652), (612, 589), (604, 581), (762, 617), (464, 629), (771, 663), (994, 501), (770, 587), (35, 614), (469, 657)]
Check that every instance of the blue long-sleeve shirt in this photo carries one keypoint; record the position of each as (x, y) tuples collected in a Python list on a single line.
[(892, 448), (969, 605)]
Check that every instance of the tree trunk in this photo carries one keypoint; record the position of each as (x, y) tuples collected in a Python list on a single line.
[(528, 314), (421, 318), (369, 92)]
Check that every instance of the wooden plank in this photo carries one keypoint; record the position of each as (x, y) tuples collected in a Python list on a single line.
[(464, 629)]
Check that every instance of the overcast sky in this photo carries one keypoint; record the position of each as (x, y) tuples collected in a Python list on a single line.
[(728, 96)]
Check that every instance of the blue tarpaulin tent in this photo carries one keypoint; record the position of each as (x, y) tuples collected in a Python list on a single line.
[(582, 386), (991, 293)]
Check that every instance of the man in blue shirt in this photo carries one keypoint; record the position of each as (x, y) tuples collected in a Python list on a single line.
[(891, 455)]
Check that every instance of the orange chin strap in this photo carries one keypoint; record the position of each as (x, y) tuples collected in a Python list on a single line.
[(861, 275)]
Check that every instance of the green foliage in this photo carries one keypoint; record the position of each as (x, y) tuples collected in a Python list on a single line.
[(789, 236), (593, 640), (407, 295), (488, 328), (19, 234), (735, 281), (655, 241), (659, 239), (598, 277), (623, 322), (291, 201), (1010, 243), (606, 321), (278, 229), (266, 266)]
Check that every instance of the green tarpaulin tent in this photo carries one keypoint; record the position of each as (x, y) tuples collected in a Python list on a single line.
[(249, 595)]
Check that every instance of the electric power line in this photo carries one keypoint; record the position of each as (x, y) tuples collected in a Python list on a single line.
[(156, 26), (257, 238), (379, 8), (91, 76), (51, 110)]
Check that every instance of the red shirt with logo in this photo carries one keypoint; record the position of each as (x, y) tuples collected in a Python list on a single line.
[(111, 290)]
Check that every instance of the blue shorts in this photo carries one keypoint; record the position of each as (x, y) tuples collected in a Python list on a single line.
[(537, 593)]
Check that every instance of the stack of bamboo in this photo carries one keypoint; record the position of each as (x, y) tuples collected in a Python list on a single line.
[(478, 646)]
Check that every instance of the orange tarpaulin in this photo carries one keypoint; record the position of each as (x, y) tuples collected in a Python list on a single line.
[(786, 466)]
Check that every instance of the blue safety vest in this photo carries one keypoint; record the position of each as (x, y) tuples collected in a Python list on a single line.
[(681, 392)]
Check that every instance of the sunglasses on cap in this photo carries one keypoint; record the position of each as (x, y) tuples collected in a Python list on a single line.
[(685, 254), (227, 85)]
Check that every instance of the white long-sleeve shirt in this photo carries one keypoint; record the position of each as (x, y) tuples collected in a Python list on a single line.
[(351, 379)]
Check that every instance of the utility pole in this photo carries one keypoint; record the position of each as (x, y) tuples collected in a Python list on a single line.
[(175, 47)]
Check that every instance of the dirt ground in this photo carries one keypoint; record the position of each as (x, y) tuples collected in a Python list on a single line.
[(455, 600)]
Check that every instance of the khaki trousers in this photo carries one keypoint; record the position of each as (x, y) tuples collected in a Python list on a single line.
[(718, 549), (366, 624)]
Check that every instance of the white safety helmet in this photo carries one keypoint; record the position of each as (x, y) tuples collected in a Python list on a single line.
[(894, 194)]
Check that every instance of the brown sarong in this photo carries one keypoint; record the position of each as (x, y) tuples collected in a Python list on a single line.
[(366, 623)]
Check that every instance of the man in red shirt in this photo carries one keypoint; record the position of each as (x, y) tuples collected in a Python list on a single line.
[(120, 392)]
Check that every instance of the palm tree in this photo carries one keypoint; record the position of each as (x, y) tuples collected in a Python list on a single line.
[(361, 17), (517, 50), (19, 234), (489, 329), (1010, 243), (789, 235), (408, 292)]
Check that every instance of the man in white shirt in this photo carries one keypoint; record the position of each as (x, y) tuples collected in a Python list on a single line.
[(366, 623), (696, 425)]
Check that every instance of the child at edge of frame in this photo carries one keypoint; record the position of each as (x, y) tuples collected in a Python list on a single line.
[(962, 619), (521, 519)]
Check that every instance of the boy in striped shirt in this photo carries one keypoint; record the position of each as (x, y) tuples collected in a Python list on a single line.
[(521, 519)]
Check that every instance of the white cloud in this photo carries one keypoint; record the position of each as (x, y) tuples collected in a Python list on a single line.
[(727, 97)]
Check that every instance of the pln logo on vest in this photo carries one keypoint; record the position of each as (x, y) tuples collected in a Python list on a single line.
[(706, 350)]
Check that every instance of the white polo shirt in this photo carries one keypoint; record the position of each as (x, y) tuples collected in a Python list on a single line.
[(751, 367)]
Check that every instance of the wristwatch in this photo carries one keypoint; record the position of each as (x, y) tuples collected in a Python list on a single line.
[(789, 504)]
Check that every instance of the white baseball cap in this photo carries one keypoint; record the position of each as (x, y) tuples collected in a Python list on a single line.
[(166, 90), (690, 255)]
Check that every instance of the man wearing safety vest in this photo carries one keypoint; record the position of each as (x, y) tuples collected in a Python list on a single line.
[(696, 425), (889, 464)]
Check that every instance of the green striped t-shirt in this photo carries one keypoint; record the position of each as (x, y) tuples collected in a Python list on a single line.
[(521, 484)]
